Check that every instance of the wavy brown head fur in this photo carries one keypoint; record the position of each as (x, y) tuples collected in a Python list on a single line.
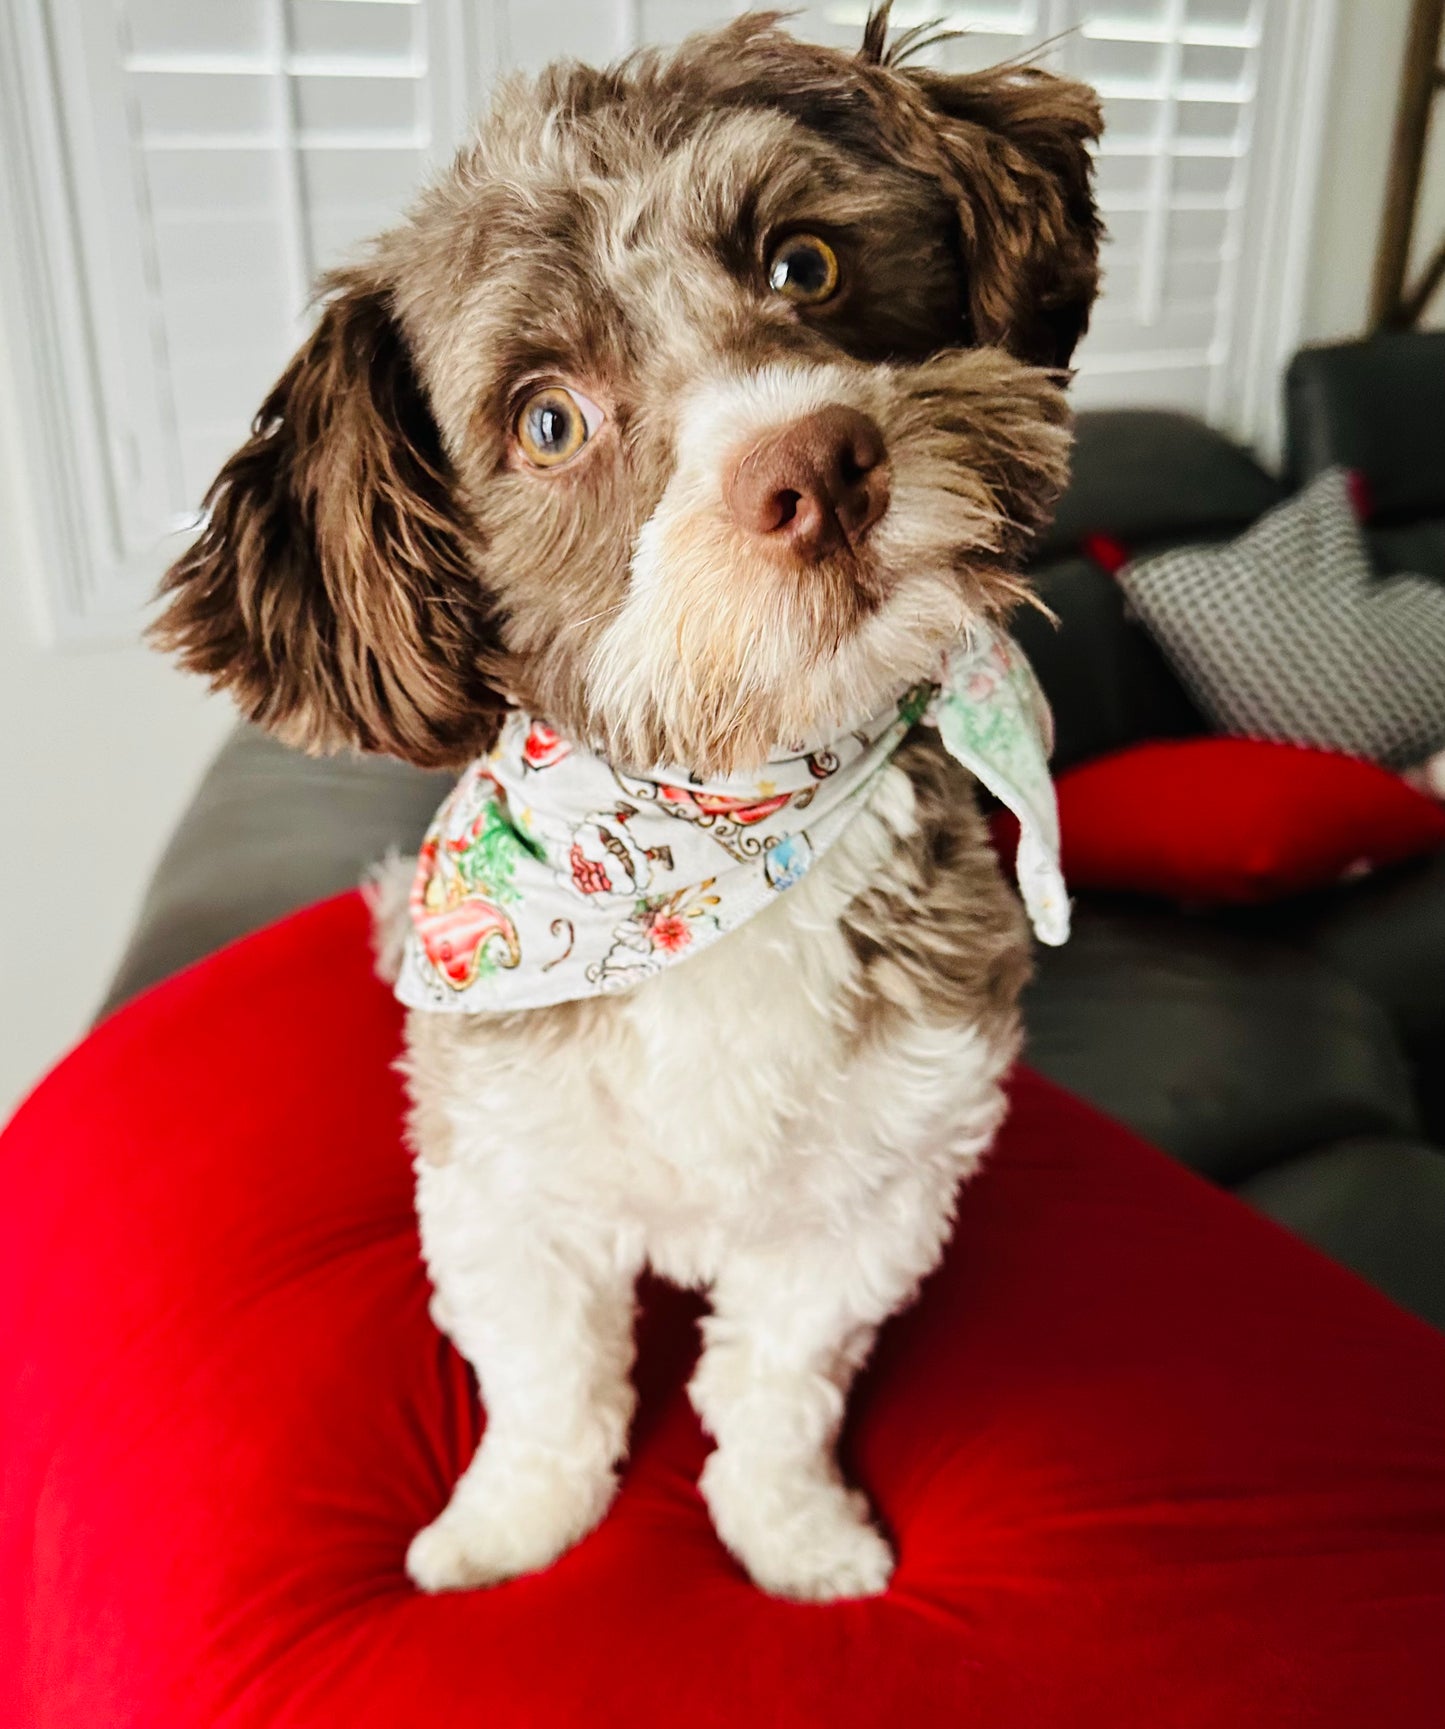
[(505, 468)]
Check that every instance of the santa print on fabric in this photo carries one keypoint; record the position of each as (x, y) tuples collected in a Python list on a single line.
[(743, 811), (604, 861)]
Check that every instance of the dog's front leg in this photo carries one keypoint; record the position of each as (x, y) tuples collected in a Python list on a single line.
[(542, 1309), (789, 1330)]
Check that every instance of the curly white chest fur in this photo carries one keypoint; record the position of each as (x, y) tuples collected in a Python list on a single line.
[(749, 1122)]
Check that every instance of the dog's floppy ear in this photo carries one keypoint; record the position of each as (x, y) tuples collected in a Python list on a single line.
[(1010, 147), (329, 589), (1017, 142)]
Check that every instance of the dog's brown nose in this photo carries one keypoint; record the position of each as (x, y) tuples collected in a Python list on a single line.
[(815, 485)]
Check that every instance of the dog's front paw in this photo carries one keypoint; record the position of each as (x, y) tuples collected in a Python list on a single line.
[(440, 1311), (505, 1521), (799, 1534), (449, 1555)]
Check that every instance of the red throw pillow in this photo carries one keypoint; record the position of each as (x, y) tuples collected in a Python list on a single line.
[(1224, 821)]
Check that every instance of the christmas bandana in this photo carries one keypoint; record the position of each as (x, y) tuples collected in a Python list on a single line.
[(549, 875)]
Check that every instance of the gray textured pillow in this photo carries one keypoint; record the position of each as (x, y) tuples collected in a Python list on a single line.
[(1286, 633)]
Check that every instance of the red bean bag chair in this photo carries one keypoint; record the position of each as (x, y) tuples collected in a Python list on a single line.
[(1147, 1460)]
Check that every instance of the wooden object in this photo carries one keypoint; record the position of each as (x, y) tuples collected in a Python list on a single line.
[(1397, 304)]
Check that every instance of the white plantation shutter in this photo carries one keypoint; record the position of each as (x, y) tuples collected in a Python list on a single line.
[(1179, 82), (266, 139), (217, 154), (181, 170)]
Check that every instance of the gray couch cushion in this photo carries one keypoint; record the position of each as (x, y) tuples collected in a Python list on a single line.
[(1377, 405), (1107, 683), (1230, 1051), (1388, 936), (1146, 477), (1409, 548), (268, 831), (1376, 1206)]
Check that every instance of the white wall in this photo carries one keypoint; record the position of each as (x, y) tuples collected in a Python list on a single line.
[(99, 751)]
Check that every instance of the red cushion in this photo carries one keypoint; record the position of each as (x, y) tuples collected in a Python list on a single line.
[(1220, 821), (1107, 551), (1148, 1460)]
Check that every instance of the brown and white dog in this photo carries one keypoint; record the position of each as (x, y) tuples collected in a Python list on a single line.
[(704, 400)]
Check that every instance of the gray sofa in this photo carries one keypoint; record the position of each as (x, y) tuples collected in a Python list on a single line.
[(1295, 1054)]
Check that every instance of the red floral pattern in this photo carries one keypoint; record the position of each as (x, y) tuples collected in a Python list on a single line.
[(670, 934)]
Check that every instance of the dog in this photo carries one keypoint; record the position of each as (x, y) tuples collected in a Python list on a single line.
[(700, 406)]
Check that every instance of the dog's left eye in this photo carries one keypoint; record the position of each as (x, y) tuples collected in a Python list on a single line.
[(804, 270), (553, 425)]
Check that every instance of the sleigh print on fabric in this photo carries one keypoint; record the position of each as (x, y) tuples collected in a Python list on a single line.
[(727, 817), (462, 884)]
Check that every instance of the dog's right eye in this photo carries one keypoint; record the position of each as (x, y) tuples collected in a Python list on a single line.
[(804, 269), (553, 425)]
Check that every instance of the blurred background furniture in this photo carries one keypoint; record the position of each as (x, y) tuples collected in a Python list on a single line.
[(1396, 304), (1294, 1053), (1378, 407)]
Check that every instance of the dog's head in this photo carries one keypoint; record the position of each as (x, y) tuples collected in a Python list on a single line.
[(696, 408)]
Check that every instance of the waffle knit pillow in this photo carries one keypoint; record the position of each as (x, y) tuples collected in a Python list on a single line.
[(1286, 633)]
